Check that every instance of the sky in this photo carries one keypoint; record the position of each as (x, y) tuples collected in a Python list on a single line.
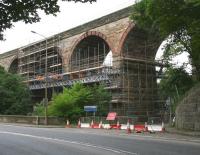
[(71, 15)]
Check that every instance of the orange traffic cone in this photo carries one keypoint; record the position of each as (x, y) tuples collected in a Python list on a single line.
[(128, 127), (79, 124), (92, 124), (100, 125), (163, 127), (68, 124), (146, 126), (118, 125)]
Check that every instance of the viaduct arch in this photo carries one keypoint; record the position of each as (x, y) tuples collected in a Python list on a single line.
[(78, 54)]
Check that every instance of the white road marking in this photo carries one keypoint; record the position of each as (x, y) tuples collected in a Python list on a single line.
[(141, 137), (118, 151)]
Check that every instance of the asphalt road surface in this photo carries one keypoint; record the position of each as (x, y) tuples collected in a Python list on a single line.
[(20, 140)]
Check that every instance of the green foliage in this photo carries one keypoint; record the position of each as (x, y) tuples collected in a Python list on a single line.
[(27, 11), (144, 18), (71, 102), (101, 98), (179, 20), (175, 84), (39, 109), (14, 94)]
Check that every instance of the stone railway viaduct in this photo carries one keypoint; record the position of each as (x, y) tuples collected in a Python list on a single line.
[(109, 50)]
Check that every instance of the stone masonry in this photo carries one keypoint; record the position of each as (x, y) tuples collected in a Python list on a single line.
[(188, 111), (135, 90)]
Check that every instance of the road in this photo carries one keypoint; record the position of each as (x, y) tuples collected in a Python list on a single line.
[(21, 140)]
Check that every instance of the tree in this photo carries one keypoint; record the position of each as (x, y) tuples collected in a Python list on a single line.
[(39, 109), (175, 84), (101, 98), (26, 11), (15, 97), (71, 102), (178, 20)]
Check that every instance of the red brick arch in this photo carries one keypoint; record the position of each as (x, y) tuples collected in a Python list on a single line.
[(60, 53), (92, 33), (11, 61), (124, 37)]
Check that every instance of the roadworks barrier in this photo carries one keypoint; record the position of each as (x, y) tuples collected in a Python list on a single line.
[(106, 126), (124, 127), (85, 125), (138, 128), (130, 126), (156, 128), (95, 126)]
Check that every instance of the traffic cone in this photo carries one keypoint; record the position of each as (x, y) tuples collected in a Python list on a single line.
[(79, 124), (118, 125), (92, 124), (68, 124), (146, 127), (163, 127), (128, 127), (100, 125)]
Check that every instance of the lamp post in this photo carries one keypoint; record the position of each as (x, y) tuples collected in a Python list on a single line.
[(45, 74)]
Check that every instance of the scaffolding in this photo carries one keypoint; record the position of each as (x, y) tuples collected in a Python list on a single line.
[(130, 78), (32, 62)]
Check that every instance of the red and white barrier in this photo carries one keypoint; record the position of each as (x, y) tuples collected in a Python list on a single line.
[(95, 126), (124, 127), (132, 127), (139, 128), (85, 125), (115, 126), (106, 126), (156, 127)]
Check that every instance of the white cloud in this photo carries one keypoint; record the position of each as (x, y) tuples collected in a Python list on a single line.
[(108, 59), (177, 61), (71, 15)]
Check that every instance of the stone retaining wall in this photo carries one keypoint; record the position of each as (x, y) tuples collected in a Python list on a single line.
[(188, 111), (33, 120)]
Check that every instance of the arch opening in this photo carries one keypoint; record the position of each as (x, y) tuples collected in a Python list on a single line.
[(91, 52), (33, 64), (137, 45), (138, 79), (33, 67), (13, 67)]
